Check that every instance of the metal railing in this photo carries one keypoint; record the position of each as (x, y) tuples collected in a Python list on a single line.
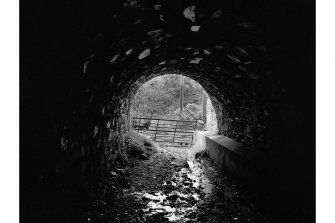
[(178, 132)]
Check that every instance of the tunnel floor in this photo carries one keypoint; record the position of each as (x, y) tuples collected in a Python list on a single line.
[(172, 186)]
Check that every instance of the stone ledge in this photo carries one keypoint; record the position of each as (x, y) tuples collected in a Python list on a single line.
[(235, 159), (199, 138)]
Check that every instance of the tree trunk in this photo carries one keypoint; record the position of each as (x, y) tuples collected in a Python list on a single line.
[(181, 96)]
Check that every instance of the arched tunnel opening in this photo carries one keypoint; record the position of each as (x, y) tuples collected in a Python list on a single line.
[(82, 65), (170, 108)]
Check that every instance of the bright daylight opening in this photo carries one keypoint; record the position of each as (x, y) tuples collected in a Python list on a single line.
[(169, 108)]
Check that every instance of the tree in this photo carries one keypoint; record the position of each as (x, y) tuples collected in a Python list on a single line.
[(159, 98)]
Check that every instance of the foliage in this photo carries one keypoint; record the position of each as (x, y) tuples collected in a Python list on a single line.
[(195, 110), (137, 144), (159, 98)]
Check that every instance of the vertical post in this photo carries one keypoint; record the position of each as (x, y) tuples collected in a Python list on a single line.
[(156, 130), (174, 134), (195, 127), (181, 101), (204, 103)]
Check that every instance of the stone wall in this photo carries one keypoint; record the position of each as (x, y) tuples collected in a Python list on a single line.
[(82, 62), (211, 120)]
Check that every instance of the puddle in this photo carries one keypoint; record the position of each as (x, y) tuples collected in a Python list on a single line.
[(180, 197)]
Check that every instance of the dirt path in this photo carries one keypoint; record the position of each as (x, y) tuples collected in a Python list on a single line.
[(171, 187)]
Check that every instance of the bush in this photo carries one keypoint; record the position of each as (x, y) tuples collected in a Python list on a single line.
[(195, 110), (137, 144)]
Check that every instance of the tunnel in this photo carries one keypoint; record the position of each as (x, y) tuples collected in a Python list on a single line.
[(83, 61)]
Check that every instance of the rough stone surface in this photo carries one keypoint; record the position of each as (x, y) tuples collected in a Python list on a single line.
[(185, 190), (82, 62), (211, 120)]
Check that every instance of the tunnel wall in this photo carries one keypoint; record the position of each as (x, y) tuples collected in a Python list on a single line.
[(236, 159), (80, 66)]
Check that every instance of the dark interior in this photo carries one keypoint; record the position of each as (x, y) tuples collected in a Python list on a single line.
[(81, 62)]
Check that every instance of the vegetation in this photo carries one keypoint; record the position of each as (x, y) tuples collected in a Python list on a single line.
[(130, 145), (137, 145), (160, 98)]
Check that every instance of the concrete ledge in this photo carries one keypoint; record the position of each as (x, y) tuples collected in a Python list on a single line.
[(199, 138), (236, 159)]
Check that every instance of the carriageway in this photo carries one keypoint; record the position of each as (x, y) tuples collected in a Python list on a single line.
[(81, 63)]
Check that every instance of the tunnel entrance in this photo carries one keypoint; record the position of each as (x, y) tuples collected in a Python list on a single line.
[(170, 108), (82, 64)]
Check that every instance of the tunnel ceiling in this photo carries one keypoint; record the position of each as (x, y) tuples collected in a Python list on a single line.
[(218, 45), (82, 61), (85, 61), (223, 52)]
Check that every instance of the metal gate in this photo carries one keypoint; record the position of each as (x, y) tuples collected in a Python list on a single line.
[(178, 132)]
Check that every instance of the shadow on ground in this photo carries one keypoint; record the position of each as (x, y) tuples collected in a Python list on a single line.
[(171, 186)]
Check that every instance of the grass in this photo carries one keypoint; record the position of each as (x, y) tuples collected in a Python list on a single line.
[(137, 144)]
